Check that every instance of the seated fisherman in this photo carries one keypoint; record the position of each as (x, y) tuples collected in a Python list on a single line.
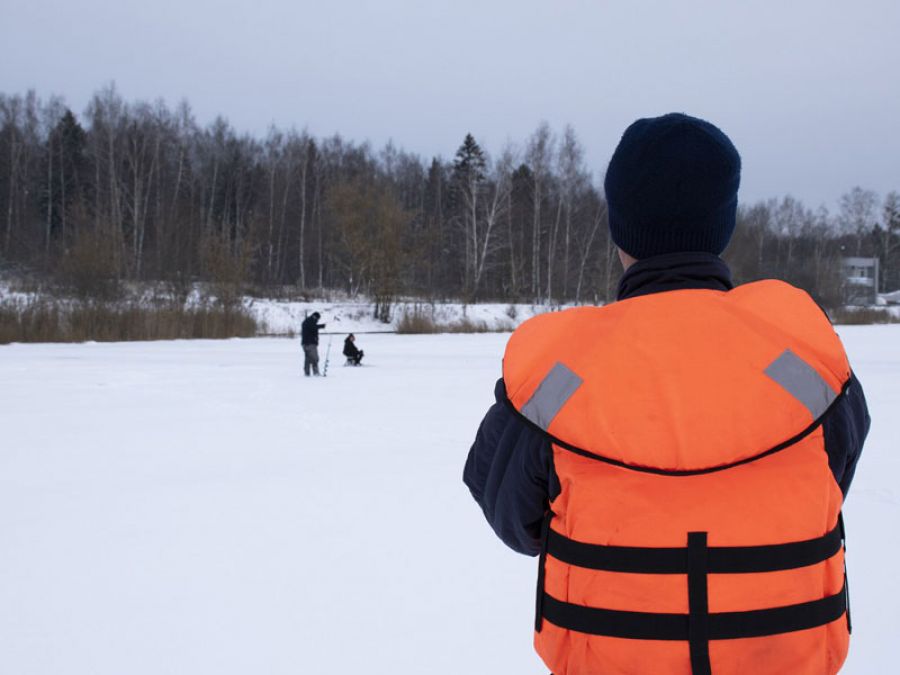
[(351, 351)]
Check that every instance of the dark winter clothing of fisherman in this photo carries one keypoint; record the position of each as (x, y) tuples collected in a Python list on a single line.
[(309, 338), (678, 458), (351, 351)]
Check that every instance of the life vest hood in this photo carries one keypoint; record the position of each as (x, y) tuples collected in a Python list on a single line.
[(694, 367)]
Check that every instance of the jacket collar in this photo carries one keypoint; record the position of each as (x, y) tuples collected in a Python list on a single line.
[(673, 272)]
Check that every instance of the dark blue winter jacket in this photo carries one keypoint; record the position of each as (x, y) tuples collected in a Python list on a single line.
[(510, 469), (309, 330)]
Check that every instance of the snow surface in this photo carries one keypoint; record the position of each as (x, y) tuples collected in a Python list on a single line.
[(201, 508)]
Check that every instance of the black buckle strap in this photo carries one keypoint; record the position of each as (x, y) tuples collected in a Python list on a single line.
[(719, 559), (698, 603), (721, 626), (846, 583), (545, 532)]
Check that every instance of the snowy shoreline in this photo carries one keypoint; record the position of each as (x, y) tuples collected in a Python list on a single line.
[(342, 315), (281, 317)]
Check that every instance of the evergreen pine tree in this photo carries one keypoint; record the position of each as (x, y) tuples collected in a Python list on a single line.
[(469, 165)]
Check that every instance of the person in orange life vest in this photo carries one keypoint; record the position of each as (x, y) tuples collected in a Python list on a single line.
[(678, 458)]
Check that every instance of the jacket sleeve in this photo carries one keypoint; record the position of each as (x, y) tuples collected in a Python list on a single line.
[(845, 430), (510, 474)]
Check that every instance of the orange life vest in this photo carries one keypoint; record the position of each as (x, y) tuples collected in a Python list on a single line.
[(698, 525)]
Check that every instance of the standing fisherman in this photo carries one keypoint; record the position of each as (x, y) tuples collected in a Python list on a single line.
[(678, 458), (309, 338)]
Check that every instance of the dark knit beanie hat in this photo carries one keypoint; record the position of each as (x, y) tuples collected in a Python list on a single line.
[(671, 186)]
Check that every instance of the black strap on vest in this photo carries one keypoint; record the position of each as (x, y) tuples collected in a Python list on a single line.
[(545, 539), (698, 603), (696, 561), (720, 559), (846, 583), (721, 626)]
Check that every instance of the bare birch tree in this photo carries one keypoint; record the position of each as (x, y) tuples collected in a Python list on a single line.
[(539, 156)]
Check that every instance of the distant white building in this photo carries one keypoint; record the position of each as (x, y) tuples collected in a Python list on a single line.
[(860, 281)]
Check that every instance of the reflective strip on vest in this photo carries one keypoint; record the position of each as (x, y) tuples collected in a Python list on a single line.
[(551, 395), (802, 382)]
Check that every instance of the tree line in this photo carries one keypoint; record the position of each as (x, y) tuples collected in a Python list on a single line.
[(140, 191)]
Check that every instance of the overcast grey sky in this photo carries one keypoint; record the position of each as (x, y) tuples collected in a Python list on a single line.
[(809, 90)]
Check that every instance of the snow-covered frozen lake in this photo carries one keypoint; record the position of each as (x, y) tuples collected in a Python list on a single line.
[(201, 508)]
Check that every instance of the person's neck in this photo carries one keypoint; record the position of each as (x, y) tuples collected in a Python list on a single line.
[(675, 271)]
